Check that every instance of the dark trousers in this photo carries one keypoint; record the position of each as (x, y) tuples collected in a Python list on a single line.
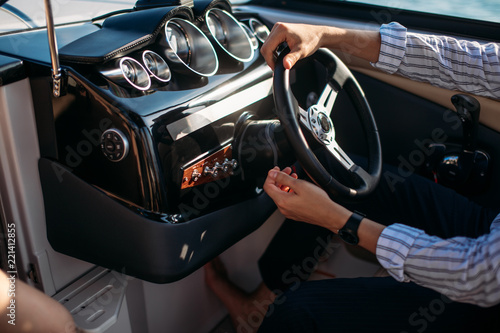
[(374, 304)]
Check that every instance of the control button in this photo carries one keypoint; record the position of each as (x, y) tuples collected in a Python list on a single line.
[(114, 145), (110, 147)]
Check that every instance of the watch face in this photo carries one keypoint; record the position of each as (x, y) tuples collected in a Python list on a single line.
[(348, 237)]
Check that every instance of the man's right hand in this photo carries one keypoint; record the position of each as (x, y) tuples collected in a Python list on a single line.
[(302, 39), (300, 200)]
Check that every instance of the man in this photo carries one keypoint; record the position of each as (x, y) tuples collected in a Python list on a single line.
[(446, 246)]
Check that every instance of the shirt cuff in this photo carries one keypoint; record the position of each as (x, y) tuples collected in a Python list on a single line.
[(392, 48), (393, 247), (496, 223)]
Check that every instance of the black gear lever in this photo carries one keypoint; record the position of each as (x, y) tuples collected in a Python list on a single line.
[(463, 167), (468, 111)]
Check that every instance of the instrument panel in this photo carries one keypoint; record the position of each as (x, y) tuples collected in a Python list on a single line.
[(151, 140), (173, 92)]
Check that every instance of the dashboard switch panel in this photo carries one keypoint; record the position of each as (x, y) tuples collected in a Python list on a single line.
[(216, 166)]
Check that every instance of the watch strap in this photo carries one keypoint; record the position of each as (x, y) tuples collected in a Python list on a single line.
[(349, 232)]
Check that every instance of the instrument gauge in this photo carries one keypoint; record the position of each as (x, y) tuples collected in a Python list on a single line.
[(260, 30), (228, 35), (251, 36), (178, 41), (217, 29), (156, 66), (188, 49)]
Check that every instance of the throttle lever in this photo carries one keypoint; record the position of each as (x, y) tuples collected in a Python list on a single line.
[(468, 109), (464, 168)]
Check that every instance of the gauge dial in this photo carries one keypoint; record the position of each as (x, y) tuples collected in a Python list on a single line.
[(228, 34), (133, 72), (260, 30), (156, 66), (188, 49), (178, 41), (217, 29), (251, 36)]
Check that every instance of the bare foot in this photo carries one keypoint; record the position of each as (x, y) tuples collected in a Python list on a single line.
[(247, 311)]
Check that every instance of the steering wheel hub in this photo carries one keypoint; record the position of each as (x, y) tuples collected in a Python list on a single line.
[(321, 124)]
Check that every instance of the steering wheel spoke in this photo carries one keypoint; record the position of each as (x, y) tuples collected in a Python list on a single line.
[(340, 155), (304, 118), (327, 99)]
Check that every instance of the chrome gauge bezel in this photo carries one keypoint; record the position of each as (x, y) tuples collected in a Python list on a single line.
[(251, 36), (238, 44), (164, 74), (202, 58), (141, 71), (115, 72), (259, 29), (187, 58)]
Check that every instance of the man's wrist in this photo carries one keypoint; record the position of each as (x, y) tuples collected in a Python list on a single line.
[(349, 232), (332, 37), (341, 216)]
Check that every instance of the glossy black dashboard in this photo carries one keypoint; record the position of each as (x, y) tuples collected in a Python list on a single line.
[(155, 180)]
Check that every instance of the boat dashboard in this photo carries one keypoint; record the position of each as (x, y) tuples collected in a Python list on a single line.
[(152, 158)]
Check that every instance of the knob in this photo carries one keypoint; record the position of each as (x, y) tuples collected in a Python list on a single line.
[(226, 165), (234, 164), (195, 176), (214, 171)]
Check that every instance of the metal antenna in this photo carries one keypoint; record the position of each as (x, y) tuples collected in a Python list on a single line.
[(54, 53)]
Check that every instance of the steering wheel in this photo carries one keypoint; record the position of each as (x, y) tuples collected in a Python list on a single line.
[(317, 121)]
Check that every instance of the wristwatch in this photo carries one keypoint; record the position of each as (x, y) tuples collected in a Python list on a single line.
[(349, 232)]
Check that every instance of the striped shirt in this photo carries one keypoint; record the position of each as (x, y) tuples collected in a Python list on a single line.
[(464, 269), (442, 61)]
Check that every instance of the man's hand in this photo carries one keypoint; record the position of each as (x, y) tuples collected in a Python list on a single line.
[(304, 39), (303, 201)]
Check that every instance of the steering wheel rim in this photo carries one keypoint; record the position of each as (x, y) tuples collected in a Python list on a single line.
[(292, 117)]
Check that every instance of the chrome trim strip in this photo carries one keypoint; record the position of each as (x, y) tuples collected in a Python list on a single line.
[(187, 125)]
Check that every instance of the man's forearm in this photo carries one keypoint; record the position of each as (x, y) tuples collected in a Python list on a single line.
[(361, 43), (369, 233)]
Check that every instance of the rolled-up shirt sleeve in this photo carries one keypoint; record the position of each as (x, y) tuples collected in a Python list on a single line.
[(392, 47), (443, 61), (464, 269)]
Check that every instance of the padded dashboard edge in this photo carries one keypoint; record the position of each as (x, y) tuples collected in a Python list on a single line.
[(120, 34), (84, 223)]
